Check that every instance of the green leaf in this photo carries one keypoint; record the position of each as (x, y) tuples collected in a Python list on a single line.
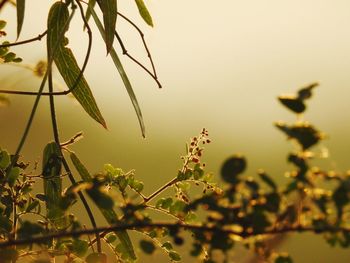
[(232, 167), (52, 165), (20, 4), (91, 4), (80, 247), (66, 62), (96, 258), (174, 256), (109, 214), (4, 159), (12, 176), (144, 12), (147, 246), (32, 206), (123, 75), (2, 24), (109, 11), (167, 245)]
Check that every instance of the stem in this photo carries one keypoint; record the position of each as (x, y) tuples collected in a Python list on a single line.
[(39, 37), (161, 189), (203, 228)]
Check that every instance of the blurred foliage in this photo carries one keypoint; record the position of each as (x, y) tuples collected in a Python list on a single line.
[(251, 210)]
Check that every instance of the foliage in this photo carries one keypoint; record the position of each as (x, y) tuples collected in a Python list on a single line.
[(250, 210)]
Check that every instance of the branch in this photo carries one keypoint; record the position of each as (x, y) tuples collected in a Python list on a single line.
[(202, 228)]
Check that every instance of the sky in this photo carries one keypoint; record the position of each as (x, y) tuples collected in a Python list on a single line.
[(222, 65)]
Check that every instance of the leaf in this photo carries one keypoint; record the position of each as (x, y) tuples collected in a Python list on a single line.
[(66, 62), (4, 159), (91, 4), (144, 12), (20, 7), (80, 247), (52, 165), (2, 24), (109, 214), (294, 104), (174, 256), (267, 179), (13, 175), (147, 246), (123, 75), (283, 259), (109, 11), (232, 167)]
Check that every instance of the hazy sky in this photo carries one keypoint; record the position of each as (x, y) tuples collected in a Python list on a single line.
[(222, 64)]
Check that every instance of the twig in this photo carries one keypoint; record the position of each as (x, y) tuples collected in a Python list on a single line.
[(125, 52), (39, 37), (144, 44)]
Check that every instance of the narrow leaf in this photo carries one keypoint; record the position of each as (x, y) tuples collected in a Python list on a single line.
[(144, 12), (52, 181), (66, 62), (109, 214), (92, 3), (20, 15), (109, 11), (123, 75)]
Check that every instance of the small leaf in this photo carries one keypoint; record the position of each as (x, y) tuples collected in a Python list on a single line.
[(293, 103), (109, 11), (12, 176), (20, 4), (174, 256), (110, 238), (167, 245), (2, 24), (232, 167), (32, 206), (147, 246), (267, 179), (144, 12), (4, 159), (66, 62)]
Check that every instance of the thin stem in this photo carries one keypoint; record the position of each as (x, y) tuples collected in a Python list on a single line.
[(202, 228), (125, 52), (143, 41), (39, 37), (161, 189)]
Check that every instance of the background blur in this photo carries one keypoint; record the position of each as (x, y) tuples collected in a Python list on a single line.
[(222, 64)]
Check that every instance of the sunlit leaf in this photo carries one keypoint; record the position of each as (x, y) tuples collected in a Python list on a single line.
[(66, 62), (20, 4), (109, 11), (123, 75), (109, 214), (144, 12)]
